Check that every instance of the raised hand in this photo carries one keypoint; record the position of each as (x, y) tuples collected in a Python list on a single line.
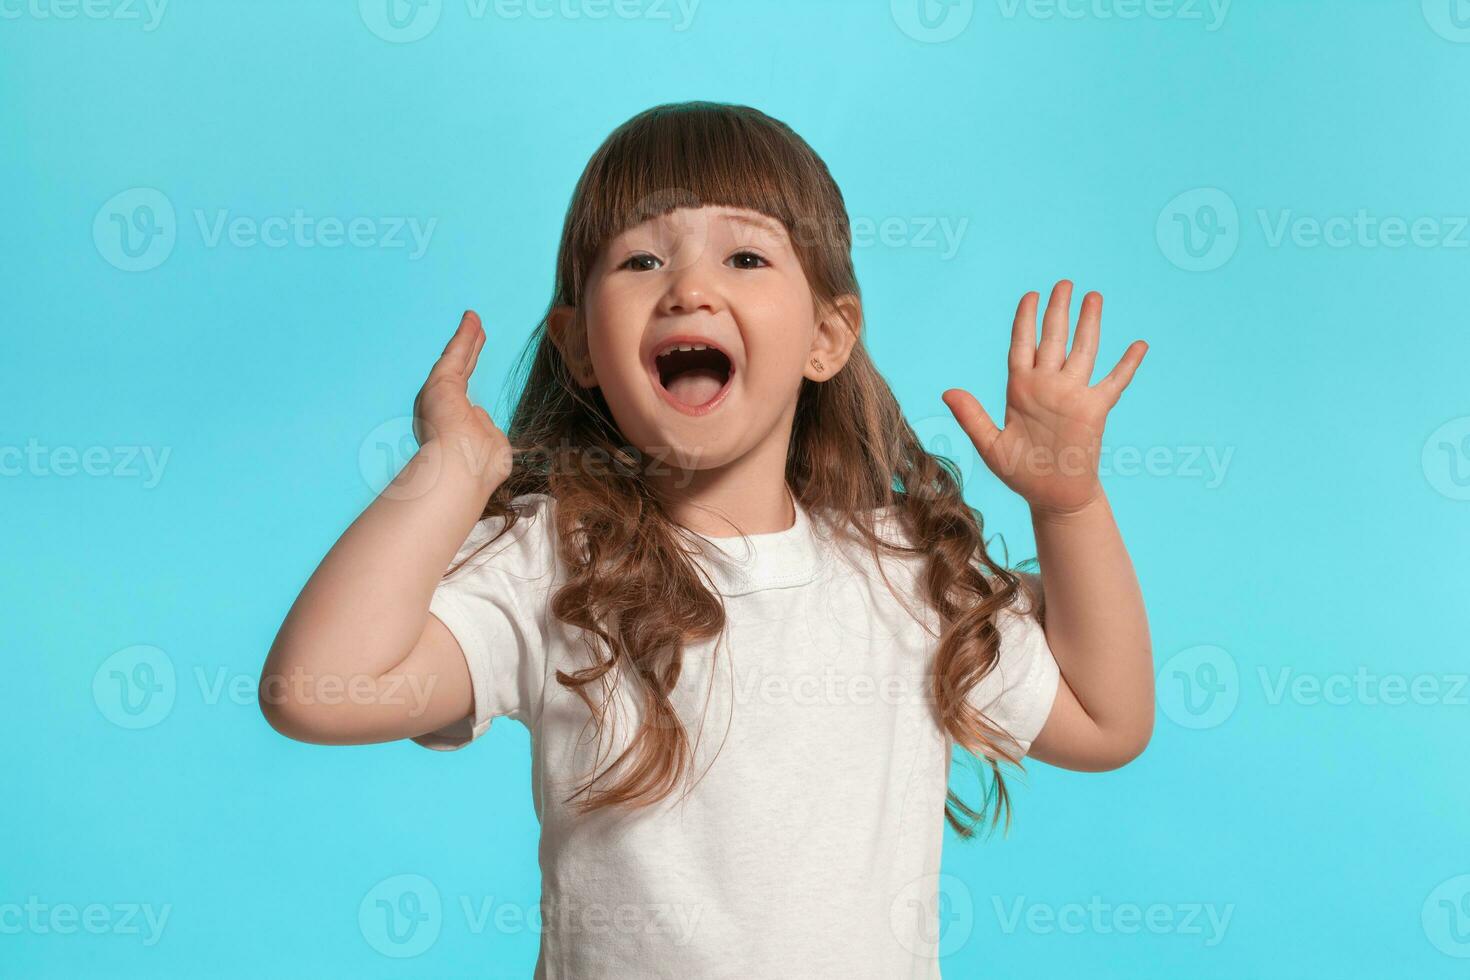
[(443, 410), (1048, 451)]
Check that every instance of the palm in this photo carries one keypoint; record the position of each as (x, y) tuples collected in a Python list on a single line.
[(1048, 451)]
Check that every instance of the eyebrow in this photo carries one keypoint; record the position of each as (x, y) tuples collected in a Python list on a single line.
[(758, 221)]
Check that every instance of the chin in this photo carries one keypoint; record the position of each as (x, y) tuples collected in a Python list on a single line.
[(692, 450)]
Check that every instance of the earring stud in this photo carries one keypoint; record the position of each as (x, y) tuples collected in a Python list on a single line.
[(818, 364)]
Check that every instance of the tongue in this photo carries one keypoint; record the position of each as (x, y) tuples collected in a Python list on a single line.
[(696, 387)]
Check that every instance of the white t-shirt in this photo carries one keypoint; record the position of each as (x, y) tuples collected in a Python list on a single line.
[(810, 844)]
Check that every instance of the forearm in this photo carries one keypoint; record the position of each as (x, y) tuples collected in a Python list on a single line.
[(363, 608), (1096, 624)]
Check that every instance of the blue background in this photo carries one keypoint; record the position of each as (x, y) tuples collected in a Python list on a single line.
[(1329, 378)]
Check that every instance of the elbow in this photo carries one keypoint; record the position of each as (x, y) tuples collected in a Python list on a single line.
[(1128, 752), (283, 713), (321, 709), (1130, 745), (274, 707)]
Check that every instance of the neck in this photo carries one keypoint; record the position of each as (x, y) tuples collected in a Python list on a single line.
[(748, 495)]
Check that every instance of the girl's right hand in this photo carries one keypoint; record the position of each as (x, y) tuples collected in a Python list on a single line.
[(443, 410), (395, 554)]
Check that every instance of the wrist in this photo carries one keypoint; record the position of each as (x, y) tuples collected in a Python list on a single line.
[(1097, 504), (470, 457)]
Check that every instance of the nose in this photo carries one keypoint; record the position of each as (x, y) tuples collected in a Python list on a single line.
[(689, 290)]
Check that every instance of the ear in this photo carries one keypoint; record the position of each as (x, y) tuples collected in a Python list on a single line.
[(561, 325), (836, 333)]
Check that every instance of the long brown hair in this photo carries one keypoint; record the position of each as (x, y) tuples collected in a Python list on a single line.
[(630, 585)]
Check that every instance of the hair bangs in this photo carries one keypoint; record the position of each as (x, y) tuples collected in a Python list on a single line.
[(693, 155)]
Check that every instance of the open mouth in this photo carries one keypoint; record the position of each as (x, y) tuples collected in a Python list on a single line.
[(693, 377)]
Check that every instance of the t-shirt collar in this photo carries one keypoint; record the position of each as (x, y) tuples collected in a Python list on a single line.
[(774, 560)]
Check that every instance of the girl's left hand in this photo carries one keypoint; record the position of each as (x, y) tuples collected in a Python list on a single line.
[(1048, 451)]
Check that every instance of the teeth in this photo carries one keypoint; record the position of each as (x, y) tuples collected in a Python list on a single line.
[(673, 347)]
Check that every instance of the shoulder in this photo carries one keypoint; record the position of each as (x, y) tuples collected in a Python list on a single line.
[(892, 526), (887, 523), (1032, 598), (1016, 621), (524, 547), (1030, 601)]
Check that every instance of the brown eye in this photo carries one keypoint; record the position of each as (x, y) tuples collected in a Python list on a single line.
[(751, 255), (639, 258)]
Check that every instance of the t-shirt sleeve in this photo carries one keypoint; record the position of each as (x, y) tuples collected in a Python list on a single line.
[(1019, 691), (495, 605)]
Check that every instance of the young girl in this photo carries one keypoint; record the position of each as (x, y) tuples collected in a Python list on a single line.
[(744, 614)]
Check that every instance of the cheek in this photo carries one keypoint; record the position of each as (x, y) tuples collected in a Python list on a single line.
[(619, 373), (782, 347), (612, 339)]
